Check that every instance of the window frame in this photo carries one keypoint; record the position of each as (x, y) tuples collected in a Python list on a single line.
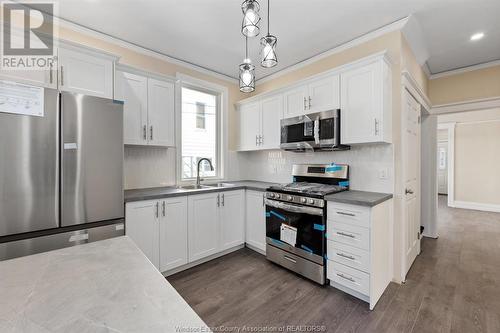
[(221, 93)]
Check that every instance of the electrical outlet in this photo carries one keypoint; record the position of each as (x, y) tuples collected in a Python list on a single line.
[(382, 174)]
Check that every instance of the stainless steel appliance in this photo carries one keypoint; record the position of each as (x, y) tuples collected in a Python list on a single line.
[(314, 131), (61, 173), (296, 218)]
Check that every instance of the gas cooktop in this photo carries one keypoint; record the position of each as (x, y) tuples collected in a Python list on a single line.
[(306, 188)]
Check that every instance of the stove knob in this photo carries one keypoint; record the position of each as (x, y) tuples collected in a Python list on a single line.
[(278, 196), (311, 201), (290, 198), (303, 200), (271, 195)]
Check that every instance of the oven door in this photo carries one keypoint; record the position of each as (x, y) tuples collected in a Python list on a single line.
[(296, 229)]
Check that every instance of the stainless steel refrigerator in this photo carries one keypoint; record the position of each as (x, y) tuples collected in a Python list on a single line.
[(61, 174)]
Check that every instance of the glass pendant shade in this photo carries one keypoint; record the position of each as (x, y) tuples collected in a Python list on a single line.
[(251, 18), (247, 76), (268, 52)]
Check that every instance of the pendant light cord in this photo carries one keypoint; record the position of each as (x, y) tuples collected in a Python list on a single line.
[(246, 47), (268, 10)]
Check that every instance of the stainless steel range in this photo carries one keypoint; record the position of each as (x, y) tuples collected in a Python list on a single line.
[(296, 218)]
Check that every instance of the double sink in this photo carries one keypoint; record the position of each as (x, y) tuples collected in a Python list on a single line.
[(204, 187)]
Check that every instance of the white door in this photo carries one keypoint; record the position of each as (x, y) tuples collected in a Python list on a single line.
[(361, 102), (295, 101), (324, 94), (173, 233), (232, 219), (40, 78), (249, 126), (203, 225), (411, 124), (141, 220), (161, 113), (133, 90), (86, 74), (272, 113), (442, 171), (255, 220)]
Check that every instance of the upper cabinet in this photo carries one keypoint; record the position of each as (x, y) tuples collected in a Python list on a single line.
[(316, 95), (260, 123), (85, 72), (366, 104), (149, 114), (40, 78)]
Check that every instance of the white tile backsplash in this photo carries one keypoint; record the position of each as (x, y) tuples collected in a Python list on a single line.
[(149, 167)]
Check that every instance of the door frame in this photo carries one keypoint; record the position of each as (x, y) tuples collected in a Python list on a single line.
[(450, 128)]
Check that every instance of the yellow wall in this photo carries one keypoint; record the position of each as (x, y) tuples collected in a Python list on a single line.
[(478, 84), (409, 63)]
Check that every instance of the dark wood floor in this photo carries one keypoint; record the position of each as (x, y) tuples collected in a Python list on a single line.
[(453, 286)]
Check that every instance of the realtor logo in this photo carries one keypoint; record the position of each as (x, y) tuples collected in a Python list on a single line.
[(27, 36)]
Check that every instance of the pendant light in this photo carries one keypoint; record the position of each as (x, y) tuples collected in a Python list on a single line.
[(251, 18), (268, 44), (247, 73)]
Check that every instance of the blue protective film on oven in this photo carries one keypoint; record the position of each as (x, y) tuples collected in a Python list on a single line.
[(277, 241), (306, 248), (319, 227), (278, 215), (344, 183), (333, 168), (268, 214)]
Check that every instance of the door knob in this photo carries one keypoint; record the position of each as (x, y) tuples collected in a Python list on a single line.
[(408, 191)]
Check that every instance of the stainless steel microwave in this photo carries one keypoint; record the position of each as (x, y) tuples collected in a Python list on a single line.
[(314, 131)]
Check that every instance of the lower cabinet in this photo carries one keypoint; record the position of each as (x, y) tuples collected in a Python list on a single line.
[(232, 219), (255, 220)]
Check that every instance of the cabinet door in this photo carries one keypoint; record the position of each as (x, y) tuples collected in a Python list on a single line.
[(161, 116), (203, 225), (272, 113), (295, 102), (249, 126), (256, 220), (361, 104), (231, 218), (324, 94), (141, 225), (173, 233), (133, 90), (40, 78), (84, 73)]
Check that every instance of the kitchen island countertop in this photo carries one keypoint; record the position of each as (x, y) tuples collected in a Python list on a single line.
[(107, 286)]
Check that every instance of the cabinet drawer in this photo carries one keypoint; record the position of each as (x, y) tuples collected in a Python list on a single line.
[(349, 277), (348, 234), (356, 215), (348, 255)]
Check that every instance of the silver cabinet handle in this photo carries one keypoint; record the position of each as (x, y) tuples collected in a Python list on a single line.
[(157, 214), (263, 200), (408, 191), (346, 214), (345, 256), (222, 199), (305, 103), (261, 139), (346, 277), (144, 132), (309, 102), (218, 200), (151, 132), (376, 126), (290, 259), (163, 208), (51, 79), (256, 140), (340, 233), (62, 75)]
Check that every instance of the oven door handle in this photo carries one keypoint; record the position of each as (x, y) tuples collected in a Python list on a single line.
[(295, 208)]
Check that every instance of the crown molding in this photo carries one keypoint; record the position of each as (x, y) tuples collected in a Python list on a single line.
[(394, 26), (409, 82), (466, 69), (473, 105)]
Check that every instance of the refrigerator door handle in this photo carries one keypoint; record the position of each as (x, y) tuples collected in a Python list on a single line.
[(151, 133)]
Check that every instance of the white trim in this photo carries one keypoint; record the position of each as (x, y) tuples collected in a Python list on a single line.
[(145, 51), (465, 69), (382, 55), (224, 124), (477, 206), (70, 45), (141, 72), (450, 127), (397, 25), (409, 82), (473, 105)]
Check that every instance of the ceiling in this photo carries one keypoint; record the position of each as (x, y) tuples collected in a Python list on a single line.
[(207, 33)]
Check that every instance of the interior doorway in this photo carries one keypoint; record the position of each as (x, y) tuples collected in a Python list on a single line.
[(442, 162)]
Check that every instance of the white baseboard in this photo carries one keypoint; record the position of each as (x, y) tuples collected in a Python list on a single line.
[(476, 206)]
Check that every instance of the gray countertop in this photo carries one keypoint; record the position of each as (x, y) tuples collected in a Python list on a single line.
[(360, 198), (103, 286), (172, 191)]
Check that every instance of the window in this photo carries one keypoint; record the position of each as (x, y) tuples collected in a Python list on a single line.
[(200, 132)]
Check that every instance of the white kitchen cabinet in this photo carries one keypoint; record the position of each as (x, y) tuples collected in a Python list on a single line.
[(366, 104), (161, 113), (203, 225), (232, 219), (142, 218), (260, 123), (295, 101), (40, 78), (132, 89), (173, 233), (255, 220), (85, 71)]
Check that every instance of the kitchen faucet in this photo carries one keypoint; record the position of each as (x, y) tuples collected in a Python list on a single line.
[(198, 169)]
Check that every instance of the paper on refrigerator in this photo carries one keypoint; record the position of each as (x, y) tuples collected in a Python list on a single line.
[(22, 99)]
